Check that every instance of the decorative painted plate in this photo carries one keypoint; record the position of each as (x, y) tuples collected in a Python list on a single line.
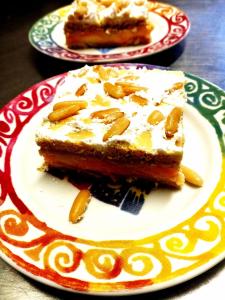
[(171, 25), (133, 238)]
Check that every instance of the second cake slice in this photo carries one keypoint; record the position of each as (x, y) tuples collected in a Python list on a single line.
[(107, 23)]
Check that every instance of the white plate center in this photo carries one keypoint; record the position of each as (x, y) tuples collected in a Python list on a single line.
[(50, 198)]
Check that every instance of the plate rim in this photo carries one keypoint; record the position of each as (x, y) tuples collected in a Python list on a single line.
[(144, 289)]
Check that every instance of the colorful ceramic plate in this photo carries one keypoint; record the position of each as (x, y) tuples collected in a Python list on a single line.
[(171, 25), (133, 238)]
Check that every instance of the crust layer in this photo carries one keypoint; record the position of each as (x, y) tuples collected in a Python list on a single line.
[(119, 151)]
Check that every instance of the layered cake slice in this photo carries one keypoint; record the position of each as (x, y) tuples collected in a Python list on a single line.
[(117, 121), (107, 23)]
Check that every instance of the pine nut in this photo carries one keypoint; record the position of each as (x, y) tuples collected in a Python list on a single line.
[(191, 176), (81, 90), (113, 117), (117, 128), (79, 206), (62, 104), (113, 90), (138, 99), (129, 87), (64, 112), (172, 122), (101, 114), (155, 117)]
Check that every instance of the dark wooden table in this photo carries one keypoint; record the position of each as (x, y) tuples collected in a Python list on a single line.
[(202, 53)]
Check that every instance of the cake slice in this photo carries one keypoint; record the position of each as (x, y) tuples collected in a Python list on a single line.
[(117, 121), (107, 23)]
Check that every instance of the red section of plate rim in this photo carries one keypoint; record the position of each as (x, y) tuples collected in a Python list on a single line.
[(15, 107)]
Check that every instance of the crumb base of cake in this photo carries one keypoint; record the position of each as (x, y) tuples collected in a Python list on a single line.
[(101, 37), (158, 173), (121, 152)]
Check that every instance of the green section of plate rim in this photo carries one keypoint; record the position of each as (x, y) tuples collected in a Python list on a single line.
[(208, 105), (45, 36)]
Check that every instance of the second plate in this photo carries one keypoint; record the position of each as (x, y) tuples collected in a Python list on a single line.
[(171, 26)]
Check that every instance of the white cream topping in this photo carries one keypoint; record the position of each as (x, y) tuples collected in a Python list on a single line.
[(157, 84), (97, 11)]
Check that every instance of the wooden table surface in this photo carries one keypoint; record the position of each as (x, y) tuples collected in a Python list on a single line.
[(202, 53)]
